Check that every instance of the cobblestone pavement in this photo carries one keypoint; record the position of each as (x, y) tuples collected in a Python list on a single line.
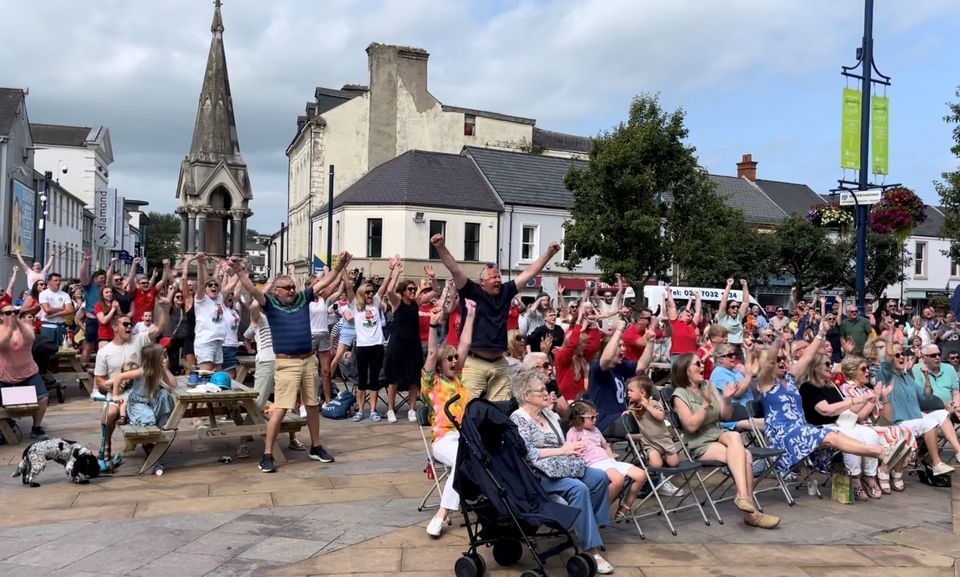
[(359, 516)]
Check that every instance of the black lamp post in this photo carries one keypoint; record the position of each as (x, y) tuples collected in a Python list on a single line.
[(42, 222)]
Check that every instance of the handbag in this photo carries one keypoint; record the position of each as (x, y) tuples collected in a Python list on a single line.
[(560, 466), (847, 419)]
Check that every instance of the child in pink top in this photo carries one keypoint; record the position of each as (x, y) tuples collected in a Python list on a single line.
[(598, 455)]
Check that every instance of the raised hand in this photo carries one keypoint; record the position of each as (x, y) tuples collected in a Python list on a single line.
[(554, 248), (729, 390), (394, 260), (470, 305), (436, 315), (546, 343), (743, 282), (16, 269), (437, 241), (729, 283), (428, 270)]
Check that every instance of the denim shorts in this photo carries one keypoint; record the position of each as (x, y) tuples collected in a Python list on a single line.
[(37, 382), (229, 357), (209, 352)]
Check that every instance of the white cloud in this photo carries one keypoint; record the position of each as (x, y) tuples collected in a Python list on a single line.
[(571, 64)]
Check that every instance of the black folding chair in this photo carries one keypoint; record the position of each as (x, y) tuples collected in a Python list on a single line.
[(684, 472), (440, 470), (804, 470)]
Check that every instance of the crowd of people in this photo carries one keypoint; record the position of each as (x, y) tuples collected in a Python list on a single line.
[(831, 382)]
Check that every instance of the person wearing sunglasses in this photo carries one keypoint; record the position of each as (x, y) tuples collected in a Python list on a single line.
[(938, 378), (905, 401), (144, 292), (608, 378), (948, 336), (288, 315), (92, 284), (855, 327), (211, 327), (485, 371), (440, 381), (731, 314), (17, 366)]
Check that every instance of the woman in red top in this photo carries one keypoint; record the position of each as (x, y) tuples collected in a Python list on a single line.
[(573, 370), (106, 309), (684, 325)]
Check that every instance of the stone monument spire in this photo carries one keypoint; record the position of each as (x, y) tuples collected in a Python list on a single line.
[(214, 187)]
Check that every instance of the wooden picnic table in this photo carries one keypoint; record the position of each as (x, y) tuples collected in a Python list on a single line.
[(10, 412), (244, 419), (69, 357), (246, 364)]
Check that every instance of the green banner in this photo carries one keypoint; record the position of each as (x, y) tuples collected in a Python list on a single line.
[(850, 130), (879, 134)]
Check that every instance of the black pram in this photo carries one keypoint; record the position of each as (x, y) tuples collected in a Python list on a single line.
[(502, 502)]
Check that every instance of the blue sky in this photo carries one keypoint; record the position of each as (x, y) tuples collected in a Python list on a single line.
[(754, 76)]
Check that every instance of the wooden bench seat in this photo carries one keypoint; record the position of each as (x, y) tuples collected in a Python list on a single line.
[(134, 435), (292, 423), (12, 412)]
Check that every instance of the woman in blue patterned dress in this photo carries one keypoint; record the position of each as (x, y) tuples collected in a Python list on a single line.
[(784, 423)]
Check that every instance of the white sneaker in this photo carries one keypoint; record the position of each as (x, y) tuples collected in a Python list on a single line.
[(670, 490), (435, 527), (603, 566), (303, 411), (412, 416), (324, 406), (391, 417), (942, 468)]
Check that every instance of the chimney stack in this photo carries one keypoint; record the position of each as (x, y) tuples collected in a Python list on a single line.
[(747, 168)]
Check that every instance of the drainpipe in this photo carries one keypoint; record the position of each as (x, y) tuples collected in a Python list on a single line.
[(510, 247)]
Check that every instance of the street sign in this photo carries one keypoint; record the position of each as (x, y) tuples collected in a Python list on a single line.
[(863, 196)]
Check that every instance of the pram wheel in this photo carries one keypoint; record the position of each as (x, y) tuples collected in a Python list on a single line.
[(506, 553), (581, 565), (470, 565)]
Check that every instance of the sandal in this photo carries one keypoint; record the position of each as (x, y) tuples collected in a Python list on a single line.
[(873, 489), (243, 452), (858, 493), (623, 512), (884, 479), (897, 483)]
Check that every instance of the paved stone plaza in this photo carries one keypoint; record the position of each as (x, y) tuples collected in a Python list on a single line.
[(359, 516)]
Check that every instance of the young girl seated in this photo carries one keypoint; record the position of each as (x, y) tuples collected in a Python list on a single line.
[(598, 454), (148, 402), (656, 442)]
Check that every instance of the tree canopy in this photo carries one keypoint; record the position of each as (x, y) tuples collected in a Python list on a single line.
[(643, 203), (163, 238), (949, 187)]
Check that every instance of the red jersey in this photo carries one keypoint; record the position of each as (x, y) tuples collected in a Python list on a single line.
[(6, 300), (706, 356), (425, 310), (105, 332), (633, 341), (684, 338), (569, 386), (143, 300), (513, 319), (453, 327)]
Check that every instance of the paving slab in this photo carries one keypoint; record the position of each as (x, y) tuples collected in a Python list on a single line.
[(180, 564)]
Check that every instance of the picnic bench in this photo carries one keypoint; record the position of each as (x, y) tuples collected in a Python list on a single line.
[(12, 412), (246, 365), (68, 357), (244, 419)]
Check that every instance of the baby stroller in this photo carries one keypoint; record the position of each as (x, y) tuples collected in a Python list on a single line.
[(503, 504)]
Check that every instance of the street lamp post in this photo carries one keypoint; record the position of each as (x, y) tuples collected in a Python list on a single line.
[(42, 222)]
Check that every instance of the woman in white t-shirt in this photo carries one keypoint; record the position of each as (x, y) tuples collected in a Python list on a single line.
[(212, 323), (368, 324)]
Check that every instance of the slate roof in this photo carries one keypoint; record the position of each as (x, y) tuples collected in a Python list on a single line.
[(59, 134), (526, 179), (740, 193), (559, 141), (418, 178), (9, 102), (330, 98), (931, 226), (793, 198), (488, 114)]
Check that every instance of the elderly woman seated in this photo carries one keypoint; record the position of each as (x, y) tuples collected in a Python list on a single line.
[(560, 468)]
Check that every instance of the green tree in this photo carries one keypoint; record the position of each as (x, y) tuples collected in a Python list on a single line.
[(884, 265), (643, 202), (809, 254), (949, 187), (163, 238)]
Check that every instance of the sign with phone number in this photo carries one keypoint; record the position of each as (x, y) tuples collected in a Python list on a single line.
[(705, 294)]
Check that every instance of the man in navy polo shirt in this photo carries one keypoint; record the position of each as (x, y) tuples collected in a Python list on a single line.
[(288, 314), (485, 370), (609, 376)]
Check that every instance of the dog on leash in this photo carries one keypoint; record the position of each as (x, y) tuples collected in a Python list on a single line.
[(79, 462)]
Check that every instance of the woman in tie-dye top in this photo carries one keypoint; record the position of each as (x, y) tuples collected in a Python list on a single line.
[(440, 382)]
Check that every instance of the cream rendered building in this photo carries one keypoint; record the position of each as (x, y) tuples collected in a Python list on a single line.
[(357, 128)]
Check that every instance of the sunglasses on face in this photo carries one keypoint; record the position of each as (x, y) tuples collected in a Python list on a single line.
[(410, 288), (952, 358), (8, 313), (898, 355), (933, 356), (729, 356), (592, 417), (368, 292), (863, 369), (519, 338), (451, 358), (212, 285), (288, 287), (126, 325), (545, 366), (697, 364), (118, 279)]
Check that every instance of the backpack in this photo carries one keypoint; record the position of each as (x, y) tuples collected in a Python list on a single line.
[(341, 406)]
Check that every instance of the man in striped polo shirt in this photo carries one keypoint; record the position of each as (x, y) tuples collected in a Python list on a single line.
[(288, 314)]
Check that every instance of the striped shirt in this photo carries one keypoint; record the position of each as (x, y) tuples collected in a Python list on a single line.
[(290, 324)]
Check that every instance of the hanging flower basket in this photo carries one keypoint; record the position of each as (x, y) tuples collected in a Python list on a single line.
[(897, 213), (830, 216)]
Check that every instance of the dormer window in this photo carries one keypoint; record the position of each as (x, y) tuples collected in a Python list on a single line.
[(469, 124)]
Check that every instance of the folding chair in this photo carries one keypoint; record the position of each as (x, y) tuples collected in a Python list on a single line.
[(440, 470), (804, 470), (761, 453), (684, 472)]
